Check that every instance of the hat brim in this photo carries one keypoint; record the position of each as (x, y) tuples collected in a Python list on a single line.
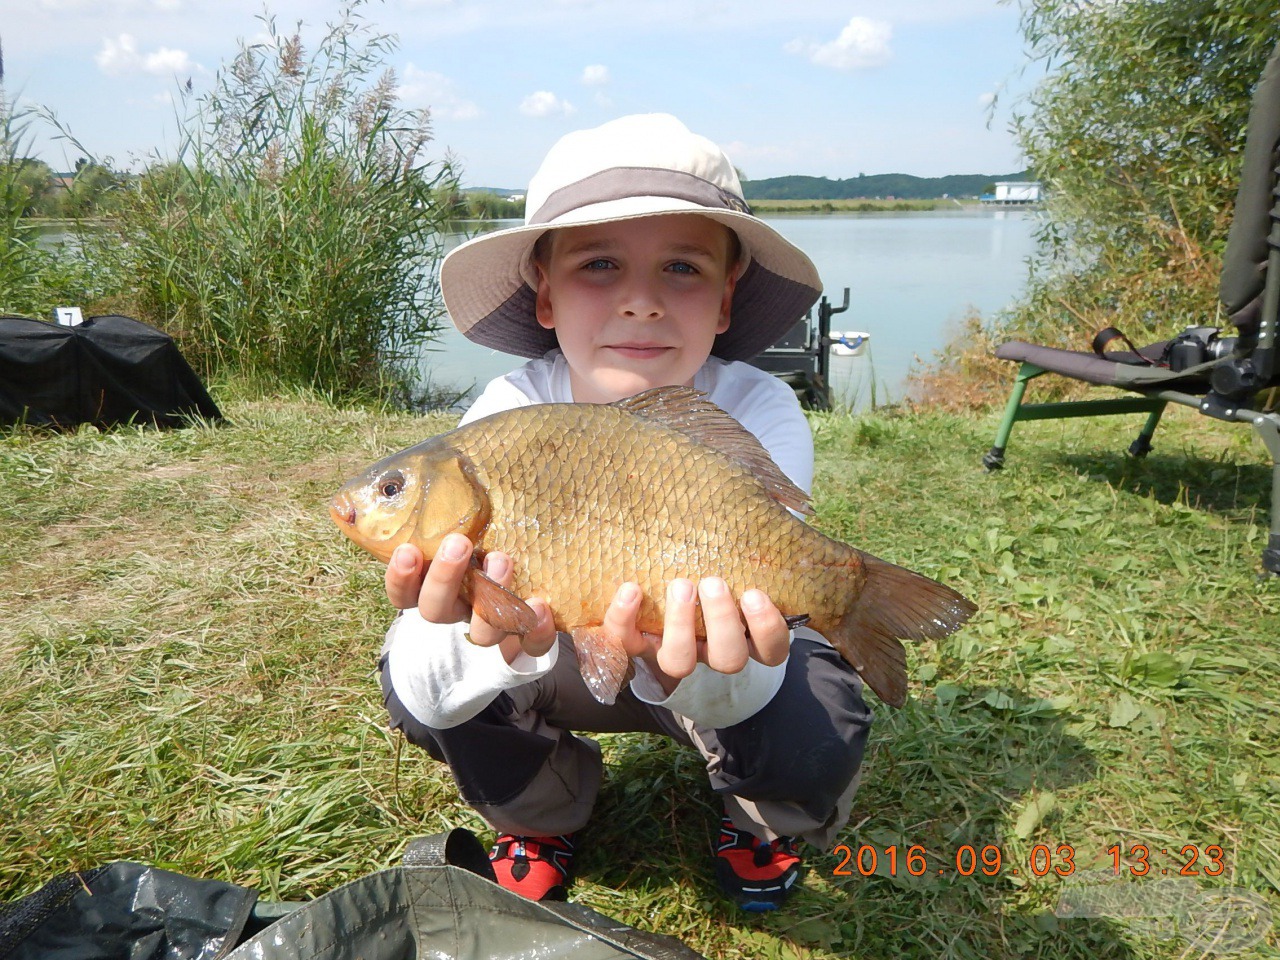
[(488, 292)]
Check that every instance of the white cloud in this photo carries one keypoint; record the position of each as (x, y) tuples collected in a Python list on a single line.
[(863, 43), (435, 90), (544, 103), (108, 7), (121, 56), (986, 100), (596, 75)]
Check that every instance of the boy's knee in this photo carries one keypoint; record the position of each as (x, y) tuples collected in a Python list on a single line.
[(808, 743), (491, 758)]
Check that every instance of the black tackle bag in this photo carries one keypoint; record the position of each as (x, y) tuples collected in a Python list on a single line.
[(441, 902), (104, 371)]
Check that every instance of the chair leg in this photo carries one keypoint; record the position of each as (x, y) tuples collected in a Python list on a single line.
[(1268, 428), (1141, 445), (993, 459)]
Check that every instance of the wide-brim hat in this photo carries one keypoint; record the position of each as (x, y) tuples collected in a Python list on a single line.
[(636, 166)]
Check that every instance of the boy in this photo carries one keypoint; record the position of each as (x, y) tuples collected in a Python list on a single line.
[(639, 266)]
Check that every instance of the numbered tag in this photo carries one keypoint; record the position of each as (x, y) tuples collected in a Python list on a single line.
[(68, 316)]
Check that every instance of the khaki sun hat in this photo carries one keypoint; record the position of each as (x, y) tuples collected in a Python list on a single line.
[(635, 166)]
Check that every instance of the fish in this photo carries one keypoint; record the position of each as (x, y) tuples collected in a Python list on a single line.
[(664, 484)]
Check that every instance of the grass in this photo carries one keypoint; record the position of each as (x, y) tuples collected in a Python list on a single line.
[(187, 679)]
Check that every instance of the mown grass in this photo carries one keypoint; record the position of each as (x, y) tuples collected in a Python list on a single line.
[(187, 678)]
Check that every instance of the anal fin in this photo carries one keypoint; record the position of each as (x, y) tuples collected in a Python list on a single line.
[(602, 661)]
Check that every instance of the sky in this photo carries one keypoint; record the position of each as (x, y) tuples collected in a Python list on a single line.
[(821, 88)]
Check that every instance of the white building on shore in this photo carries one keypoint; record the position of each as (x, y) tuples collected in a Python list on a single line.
[(1014, 192)]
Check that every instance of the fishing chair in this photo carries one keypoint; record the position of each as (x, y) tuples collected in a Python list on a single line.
[(1231, 379)]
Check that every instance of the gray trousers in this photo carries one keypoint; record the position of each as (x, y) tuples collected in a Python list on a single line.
[(791, 769)]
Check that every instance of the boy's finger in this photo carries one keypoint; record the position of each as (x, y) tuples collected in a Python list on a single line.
[(620, 619), (726, 637), (498, 568), (678, 654), (403, 578), (769, 637), (541, 638), (438, 599)]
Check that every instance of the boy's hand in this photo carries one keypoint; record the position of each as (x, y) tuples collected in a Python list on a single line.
[(437, 594), (728, 644)]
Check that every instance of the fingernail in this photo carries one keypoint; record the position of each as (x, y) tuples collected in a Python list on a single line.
[(403, 559), (682, 591), (714, 587), (454, 547), (496, 566), (628, 593), (753, 601)]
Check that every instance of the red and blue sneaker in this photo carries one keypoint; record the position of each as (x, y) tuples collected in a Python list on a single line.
[(757, 875), (537, 868)]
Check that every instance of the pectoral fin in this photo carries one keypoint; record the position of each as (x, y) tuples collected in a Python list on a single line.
[(496, 604), (602, 661)]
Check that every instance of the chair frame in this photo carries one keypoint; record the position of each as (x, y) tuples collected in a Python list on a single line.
[(1152, 403)]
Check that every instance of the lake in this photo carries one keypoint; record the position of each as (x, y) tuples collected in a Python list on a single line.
[(912, 277)]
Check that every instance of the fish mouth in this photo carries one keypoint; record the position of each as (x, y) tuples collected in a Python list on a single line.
[(342, 510)]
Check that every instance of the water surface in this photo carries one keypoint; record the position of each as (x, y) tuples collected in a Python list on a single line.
[(912, 277)]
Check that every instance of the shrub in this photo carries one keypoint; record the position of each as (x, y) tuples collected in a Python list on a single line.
[(295, 237), (1136, 133)]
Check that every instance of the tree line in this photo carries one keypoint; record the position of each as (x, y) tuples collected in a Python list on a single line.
[(86, 192), (901, 186)]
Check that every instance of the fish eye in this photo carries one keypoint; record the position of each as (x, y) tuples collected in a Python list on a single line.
[(391, 484)]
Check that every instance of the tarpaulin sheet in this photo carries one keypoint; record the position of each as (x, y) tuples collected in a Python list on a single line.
[(442, 902), (104, 371)]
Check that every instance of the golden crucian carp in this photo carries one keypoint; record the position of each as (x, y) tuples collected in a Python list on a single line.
[(584, 497)]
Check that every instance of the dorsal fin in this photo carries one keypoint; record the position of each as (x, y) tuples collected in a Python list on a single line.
[(690, 412)]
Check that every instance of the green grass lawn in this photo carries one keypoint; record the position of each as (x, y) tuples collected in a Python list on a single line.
[(187, 679)]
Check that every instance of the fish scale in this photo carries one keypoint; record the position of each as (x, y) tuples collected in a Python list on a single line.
[(584, 497), (626, 532)]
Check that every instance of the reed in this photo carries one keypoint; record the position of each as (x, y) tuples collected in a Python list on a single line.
[(24, 266), (293, 240)]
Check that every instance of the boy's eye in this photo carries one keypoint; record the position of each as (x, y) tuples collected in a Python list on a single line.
[(680, 266), (600, 263)]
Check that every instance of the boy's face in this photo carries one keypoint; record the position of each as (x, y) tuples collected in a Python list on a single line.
[(636, 304)]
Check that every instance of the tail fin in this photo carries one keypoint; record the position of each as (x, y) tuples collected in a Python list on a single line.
[(895, 604)]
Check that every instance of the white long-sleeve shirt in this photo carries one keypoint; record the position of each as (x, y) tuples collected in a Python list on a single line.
[(444, 680)]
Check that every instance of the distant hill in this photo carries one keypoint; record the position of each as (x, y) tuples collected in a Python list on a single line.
[(902, 186), (899, 185)]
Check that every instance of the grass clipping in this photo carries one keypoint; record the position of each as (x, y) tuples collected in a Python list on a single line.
[(188, 679)]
